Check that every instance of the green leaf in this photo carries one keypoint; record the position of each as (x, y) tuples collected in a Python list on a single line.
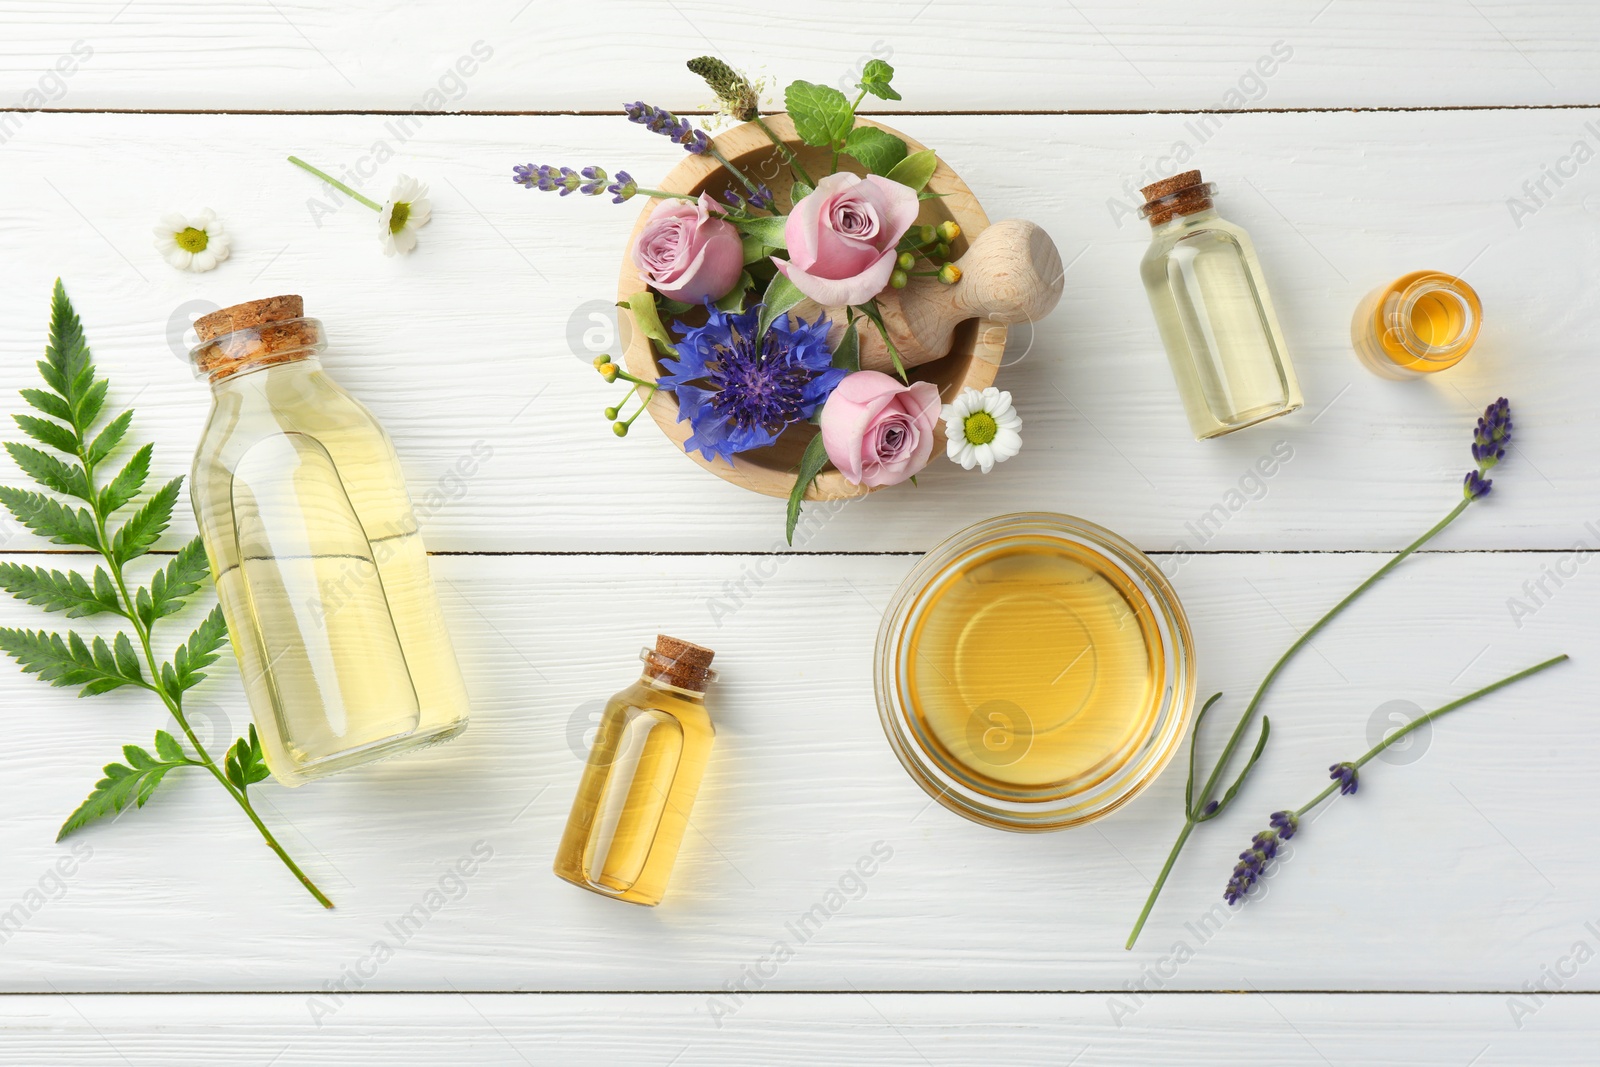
[(68, 479), (50, 404), (147, 524), (57, 436), (1194, 740), (1233, 790), (876, 150), (821, 114), (799, 191), (755, 249), (768, 230), (67, 367), (672, 307), (63, 662), (781, 295), (58, 591), (196, 654), (128, 483), (733, 300), (870, 310), (875, 78), (915, 170), (130, 784), (811, 464), (245, 765), (643, 306), (180, 578), (107, 440), (48, 517), (848, 355)]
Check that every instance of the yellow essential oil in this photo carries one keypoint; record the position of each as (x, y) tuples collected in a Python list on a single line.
[(639, 784), (1420, 323), (319, 566), (1210, 300), (1034, 670)]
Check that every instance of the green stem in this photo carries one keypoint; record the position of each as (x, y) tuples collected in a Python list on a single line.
[(784, 150), (174, 705), (735, 171), (335, 182), (648, 397), (1421, 720), (1198, 813), (661, 194)]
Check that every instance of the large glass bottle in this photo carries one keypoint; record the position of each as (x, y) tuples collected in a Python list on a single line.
[(318, 562), (641, 778), (1211, 304)]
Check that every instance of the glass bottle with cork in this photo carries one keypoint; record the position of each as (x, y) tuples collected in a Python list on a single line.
[(318, 562), (639, 784), (1210, 300)]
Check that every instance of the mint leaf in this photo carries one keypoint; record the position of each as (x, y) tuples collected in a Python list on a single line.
[(48, 517), (811, 464), (821, 114), (875, 78), (768, 230), (781, 295), (876, 150), (58, 591), (128, 784), (799, 191), (147, 524), (128, 483), (915, 170)]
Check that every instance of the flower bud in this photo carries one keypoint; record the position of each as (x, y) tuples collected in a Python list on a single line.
[(949, 274), (898, 279), (601, 360), (906, 261), (620, 429), (609, 371), (611, 413), (948, 230)]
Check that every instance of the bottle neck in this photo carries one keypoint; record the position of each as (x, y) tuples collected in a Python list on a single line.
[(251, 348), (655, 680), (1178, 223)]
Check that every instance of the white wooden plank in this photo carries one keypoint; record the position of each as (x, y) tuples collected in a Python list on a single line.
[(1016, 54), (1457, 871), (467, 343), (1185, 1030)]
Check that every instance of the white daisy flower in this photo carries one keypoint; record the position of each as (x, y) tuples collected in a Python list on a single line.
[(982, 429), (196, 244), (407, 210)]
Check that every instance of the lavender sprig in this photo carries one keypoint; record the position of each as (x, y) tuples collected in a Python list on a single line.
[(1490, 438), (664, 122), (590, 181), (1263, 848)]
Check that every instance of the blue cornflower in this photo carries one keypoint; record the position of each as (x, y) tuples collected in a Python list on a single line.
[(1489, 441), (738, 393), (1346, 775), (659, 120), (623, 188)]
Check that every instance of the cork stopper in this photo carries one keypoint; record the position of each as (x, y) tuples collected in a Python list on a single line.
[(1181, 194), (680, 663), (274, 330)]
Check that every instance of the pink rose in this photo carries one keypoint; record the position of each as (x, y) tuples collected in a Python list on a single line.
[(842, 237), (685, 253), (878, 431)]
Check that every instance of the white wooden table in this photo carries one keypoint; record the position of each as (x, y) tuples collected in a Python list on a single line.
[(1449, 914)]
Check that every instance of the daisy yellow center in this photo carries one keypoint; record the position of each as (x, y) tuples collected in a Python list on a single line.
[(980, 428), (397, 220), (191, 240)]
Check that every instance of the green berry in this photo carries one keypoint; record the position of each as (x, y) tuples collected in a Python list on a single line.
[(611, 413), (906, 261), (620, 429), (898, 279)]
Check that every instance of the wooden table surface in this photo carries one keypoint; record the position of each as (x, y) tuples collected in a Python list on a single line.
[(1448, 914)]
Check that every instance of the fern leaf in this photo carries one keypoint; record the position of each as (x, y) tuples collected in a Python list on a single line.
[(71, 369), (245, 765), (129, 480), (147, 524), (107, 440), (171, 585), (130, 784), (68, 661), (57, 591), (50, 518), (68, 479), (59, 437), (49, 403), (196, 654)]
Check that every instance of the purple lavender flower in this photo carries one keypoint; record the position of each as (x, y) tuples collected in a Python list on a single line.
[(623, 188), (1286, 823), (1475, 486), (740, 393), (591, 181), (1489, 441), (1252, 864), (659, 120), (1346, 775)]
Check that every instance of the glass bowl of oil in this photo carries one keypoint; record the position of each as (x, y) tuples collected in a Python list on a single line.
[(1035, 671)]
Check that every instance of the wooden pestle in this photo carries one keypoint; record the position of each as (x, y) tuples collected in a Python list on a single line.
[(1010, 274)]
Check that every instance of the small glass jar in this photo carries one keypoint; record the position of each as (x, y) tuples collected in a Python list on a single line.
[(319, 565), (1211, 305), (1419, 324), (639, 784)]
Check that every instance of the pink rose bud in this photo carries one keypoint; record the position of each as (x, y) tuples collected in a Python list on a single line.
[(842, 237), (878, 431), (685, 253)]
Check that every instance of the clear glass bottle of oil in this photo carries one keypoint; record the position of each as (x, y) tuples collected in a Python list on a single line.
[(1212, 307), (643, 772), (1419, 324), (319, 565)]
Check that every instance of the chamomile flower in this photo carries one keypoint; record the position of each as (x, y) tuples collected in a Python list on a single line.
[(982, 429), (405, 212), (196, 244)]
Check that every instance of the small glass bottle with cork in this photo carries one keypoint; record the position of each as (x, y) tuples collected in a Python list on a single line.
[(639, 784), (1211, 304)]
